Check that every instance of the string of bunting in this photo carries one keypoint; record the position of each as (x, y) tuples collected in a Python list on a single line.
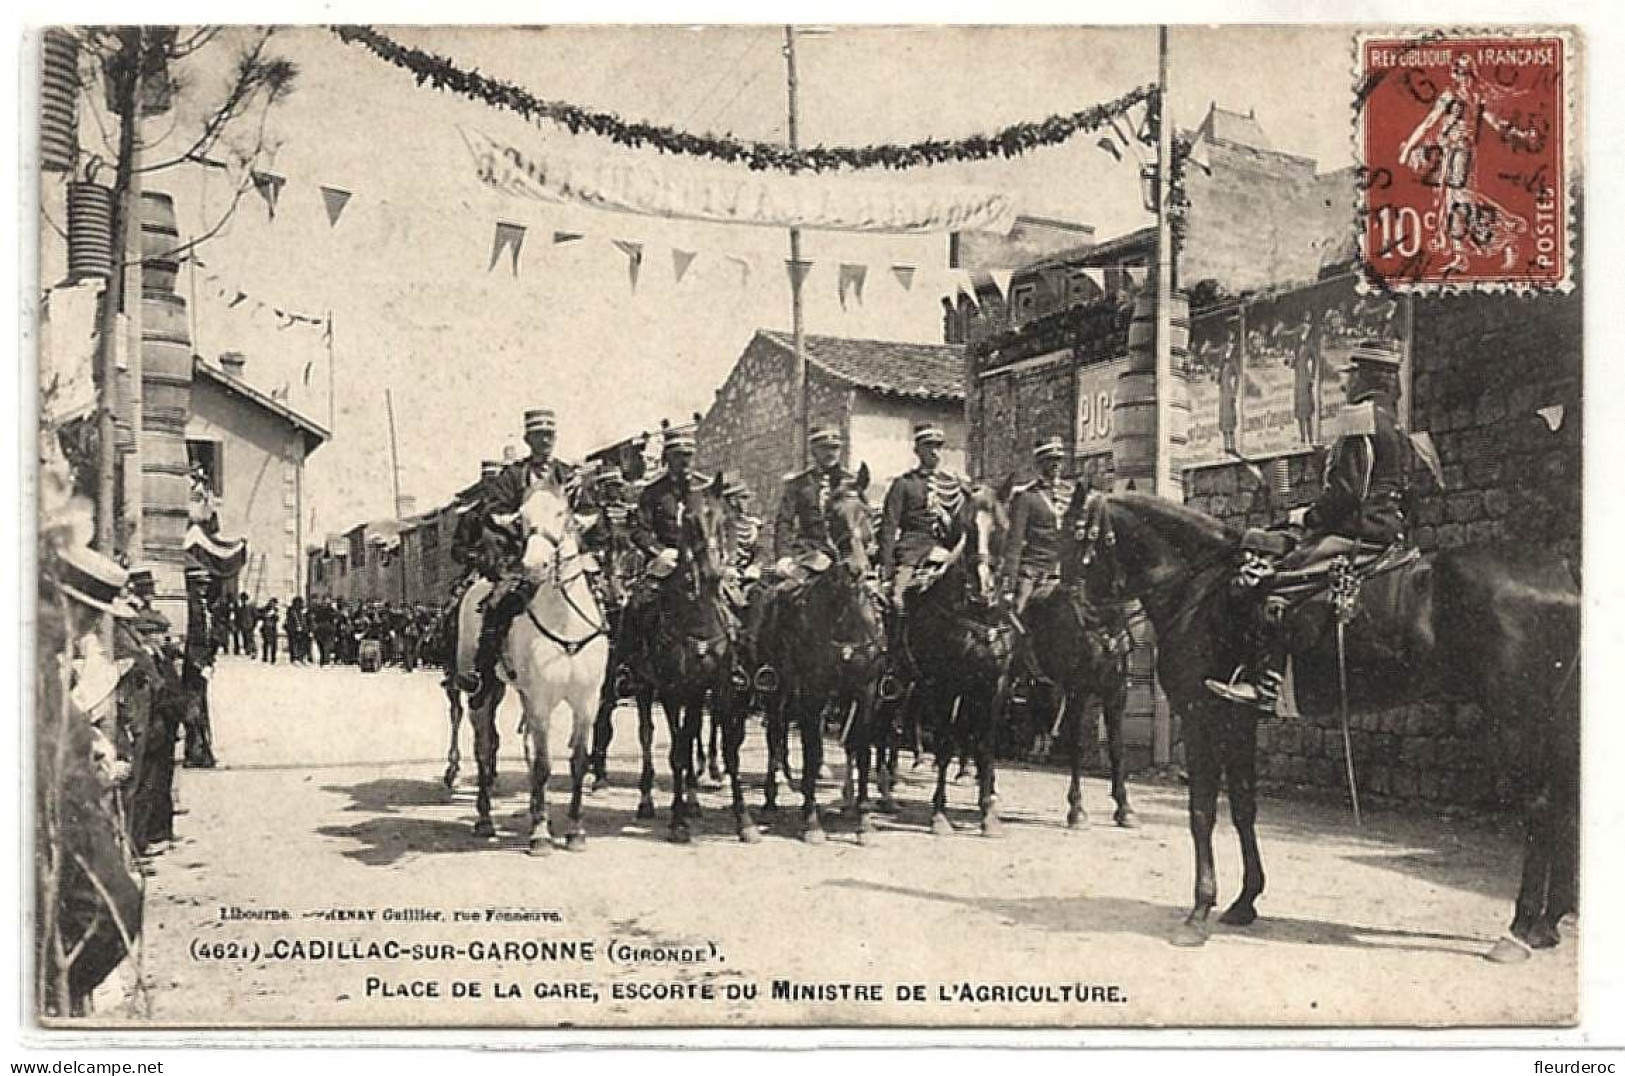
[(442, 73)]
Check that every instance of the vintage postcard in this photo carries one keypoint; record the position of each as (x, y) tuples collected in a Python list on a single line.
[(650, 527)]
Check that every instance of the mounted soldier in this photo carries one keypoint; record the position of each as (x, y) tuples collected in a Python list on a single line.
[(500, 499), (916, 525), (800, 534), (1032, 554), (1359, 514), (657, 532)]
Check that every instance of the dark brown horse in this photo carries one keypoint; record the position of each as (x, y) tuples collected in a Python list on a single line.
[(622, 565), (830, 645), (690, 656), (1073, 629), (1491, 624), (958, 639)]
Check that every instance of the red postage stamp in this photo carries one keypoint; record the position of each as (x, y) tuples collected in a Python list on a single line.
[(1463, 142)]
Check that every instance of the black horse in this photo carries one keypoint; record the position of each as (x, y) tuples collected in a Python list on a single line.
[(689, 656), (1492, 624), (830, 647), (958, 640), (1074, 629)]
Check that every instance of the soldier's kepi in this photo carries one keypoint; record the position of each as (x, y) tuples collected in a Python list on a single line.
[(500, 498), (1360, 510), (657, 531), (919, 510)]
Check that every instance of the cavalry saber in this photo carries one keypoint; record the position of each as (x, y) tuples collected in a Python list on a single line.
[(1343, 715)]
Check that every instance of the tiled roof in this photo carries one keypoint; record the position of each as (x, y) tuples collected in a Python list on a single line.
[(314, 435), (887, 367)]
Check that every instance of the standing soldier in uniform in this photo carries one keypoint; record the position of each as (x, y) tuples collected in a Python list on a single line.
[(1361, 508), (502, 497), (917, 518)]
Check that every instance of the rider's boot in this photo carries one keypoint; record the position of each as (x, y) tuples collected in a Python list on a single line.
[(1257, 682), (504, 603)]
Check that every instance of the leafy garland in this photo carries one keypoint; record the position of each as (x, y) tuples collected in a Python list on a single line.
[(442, 74)]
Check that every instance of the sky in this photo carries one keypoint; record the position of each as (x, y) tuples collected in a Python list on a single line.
[(463, 349)]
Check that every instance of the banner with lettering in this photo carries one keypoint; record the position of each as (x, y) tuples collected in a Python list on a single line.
[(1097, 394)]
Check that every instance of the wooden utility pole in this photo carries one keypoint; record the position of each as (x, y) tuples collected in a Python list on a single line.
[(798, 379), (395, 477), (126, 71)]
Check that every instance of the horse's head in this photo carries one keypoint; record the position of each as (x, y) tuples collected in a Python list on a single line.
[(982, 523), (1156, 547), (706, 533), (850, 524), (1089, 549), (548, 534)]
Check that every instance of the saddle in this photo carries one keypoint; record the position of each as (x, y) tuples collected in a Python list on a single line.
[(1382, 600)]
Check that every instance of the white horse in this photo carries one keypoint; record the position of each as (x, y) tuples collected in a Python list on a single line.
[(556, 653)]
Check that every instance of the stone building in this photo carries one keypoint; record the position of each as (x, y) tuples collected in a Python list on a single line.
[(874, 391)]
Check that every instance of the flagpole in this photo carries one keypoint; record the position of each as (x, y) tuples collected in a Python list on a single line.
[(330, 395), (798, 379), (395, 477)]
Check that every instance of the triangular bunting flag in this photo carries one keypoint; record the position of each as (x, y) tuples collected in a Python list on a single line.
[(904, 275), (1107, 145), (798, 271), (1553, 416), (1428, 453), (634, 258), (744, 268), (1137, 275), (269, 186), (1001, 280), (509, 237), (851, 279), (1097, 277), (236, 299), (560, 238), (335, 200), (680, 261), (308, 366)]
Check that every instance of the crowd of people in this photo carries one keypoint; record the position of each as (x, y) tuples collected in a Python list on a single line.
[(328, 631)]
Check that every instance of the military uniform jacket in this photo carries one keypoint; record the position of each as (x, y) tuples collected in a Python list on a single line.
[(656, 524), (918, 512), (504, 492), (799, 527), (1365, 481), (1033, 550)]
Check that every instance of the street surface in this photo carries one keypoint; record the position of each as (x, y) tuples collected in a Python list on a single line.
[(328, 807)]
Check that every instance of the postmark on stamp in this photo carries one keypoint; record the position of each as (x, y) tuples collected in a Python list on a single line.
[(1463, 140)]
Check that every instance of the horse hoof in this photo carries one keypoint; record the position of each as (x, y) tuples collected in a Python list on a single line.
[(575, 842), (888, 805), (749, 834), (681, 835), (646, 810), (814, 835), (1190, 935), (1508, 950), (1239, 915), (992, 826), (1075, 818), (449, 780), (941, 826), (769, 807), (541, 845), (1544, 935), (1126, 819), (715, 774), (484, 828)]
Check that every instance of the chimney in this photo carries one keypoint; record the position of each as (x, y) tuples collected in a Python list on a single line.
[(232, 362)]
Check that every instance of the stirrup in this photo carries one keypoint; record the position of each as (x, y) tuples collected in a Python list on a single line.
[(1241, 693), (766, 680), (890, 688)]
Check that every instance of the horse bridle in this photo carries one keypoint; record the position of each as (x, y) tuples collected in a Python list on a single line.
[(561, 583)]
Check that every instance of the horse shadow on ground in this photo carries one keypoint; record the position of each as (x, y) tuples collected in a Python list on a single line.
[(1086, 915)]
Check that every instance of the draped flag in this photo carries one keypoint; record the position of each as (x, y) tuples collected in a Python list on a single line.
[(680, 261), (552, 170), (508, 237), (634, 259), (904, 275), (269, 185), (335, 200), (223, 557), (851, 280)]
